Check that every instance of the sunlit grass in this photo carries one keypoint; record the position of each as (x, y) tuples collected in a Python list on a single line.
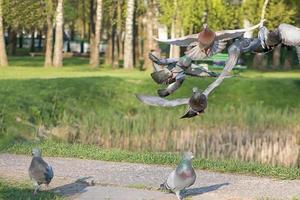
[(12, 190), (93, 152), (79, 104)]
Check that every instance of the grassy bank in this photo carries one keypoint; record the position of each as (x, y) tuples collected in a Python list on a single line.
[(251, 117), (12, 190), (93, 152)]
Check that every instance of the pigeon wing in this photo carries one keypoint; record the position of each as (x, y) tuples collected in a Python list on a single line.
[(158, 101), (182, 41), (234, 54), (197, 53), (231, 34), (289, 34)]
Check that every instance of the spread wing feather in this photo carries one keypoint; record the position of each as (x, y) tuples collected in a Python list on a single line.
[(289, 34), (182, 41), (231, 34), (231, 62), (158, 101)]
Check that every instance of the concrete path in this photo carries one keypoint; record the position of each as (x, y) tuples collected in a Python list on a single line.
[(89, 179)]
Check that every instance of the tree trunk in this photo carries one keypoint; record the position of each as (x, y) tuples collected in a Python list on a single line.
[(288, 62), (128, 51), (12, 42), (92, 30), (40, 40), (119, 32), (94, 58), (174, 50), (32, 44), (20, 40), (260, 62), (58, 46), (149, 43), (49, 43), (108, 51), (3, 56), (276, 57)]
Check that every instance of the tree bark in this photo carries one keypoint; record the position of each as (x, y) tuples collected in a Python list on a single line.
[(32, 45), (20, 39), (49, 43), (94, 57), (58, 45), (174, 50), (12, 41), (276, 57), (128, 47), (3, 56), (120, 41), (151, 24)]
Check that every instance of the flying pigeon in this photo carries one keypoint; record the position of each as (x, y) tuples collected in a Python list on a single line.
[(197, 103), (207, 43), (182, 177), (39, 171), (285, 33)]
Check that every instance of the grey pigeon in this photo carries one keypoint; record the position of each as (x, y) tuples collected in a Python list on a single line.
[(182, 177), (197, 103), (39, 171), (207, 43)]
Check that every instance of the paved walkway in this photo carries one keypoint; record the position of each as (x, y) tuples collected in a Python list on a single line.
[(89, 179)]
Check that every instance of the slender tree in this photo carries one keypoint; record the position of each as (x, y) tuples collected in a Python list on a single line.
[(95, 36), (3, 56), (49, 34), (58, 46), (128, 47), (151, 31)]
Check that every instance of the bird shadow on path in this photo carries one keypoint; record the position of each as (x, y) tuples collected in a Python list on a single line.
[(77, 187), (202, 190)]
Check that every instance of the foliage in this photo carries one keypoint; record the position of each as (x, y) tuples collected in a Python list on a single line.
[(25, 14)]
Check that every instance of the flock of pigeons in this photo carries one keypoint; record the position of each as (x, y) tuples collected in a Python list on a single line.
[(172, 71), (178, 180)]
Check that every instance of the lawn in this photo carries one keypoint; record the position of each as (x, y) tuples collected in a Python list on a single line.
[(11, 190), (82, 151), (77, 104)]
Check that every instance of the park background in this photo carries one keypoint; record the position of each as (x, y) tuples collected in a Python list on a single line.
[(59, 91)]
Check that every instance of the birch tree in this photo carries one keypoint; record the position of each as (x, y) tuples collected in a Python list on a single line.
[(58, 45), (128, 47), (3, 56)]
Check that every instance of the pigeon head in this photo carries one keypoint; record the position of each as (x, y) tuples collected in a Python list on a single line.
[(188, 155), (36, 152), (206, 36)]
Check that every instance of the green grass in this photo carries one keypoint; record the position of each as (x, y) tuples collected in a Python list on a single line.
[(12, 190), (91, 106), (55, 149)]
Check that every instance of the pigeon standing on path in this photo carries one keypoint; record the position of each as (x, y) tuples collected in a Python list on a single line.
[(39, 171), (182, 177)]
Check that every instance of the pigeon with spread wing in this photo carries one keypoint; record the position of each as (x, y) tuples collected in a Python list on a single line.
[(207, 43), (197, 103)]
